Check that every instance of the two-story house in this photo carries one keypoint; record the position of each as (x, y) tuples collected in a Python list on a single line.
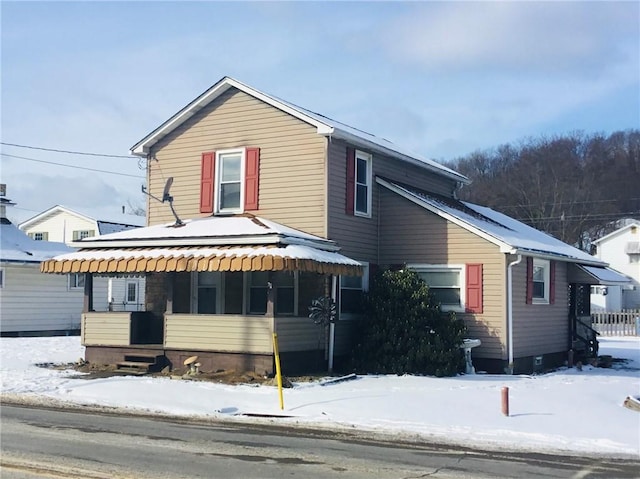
[(621, 249), (66, 225), (276, 205)]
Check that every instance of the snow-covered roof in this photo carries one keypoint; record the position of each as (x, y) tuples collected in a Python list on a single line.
[(210, 231), (325, 126), (116, 221), (628, 226), (510, 235), (606, 276), (17, 247)]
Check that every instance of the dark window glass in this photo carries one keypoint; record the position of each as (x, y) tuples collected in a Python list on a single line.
[(258, 300), (206, 300), (284, 301)]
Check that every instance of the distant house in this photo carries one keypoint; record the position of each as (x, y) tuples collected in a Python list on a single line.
[(278, 205), (66, 225), (621, 249), (32, 303)]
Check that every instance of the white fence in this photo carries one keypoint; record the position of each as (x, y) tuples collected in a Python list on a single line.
[(623, 323)]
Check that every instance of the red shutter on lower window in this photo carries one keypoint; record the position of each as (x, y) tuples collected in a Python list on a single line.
[(474, 288), (351, 180), (251, 178), (529, 280), (552, 282), (207, 178)]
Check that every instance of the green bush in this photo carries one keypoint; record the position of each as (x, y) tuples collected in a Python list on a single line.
[(404, 330)]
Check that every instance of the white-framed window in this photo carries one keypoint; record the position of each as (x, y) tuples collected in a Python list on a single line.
[(363, 180), (284, 294), (132, 292), (352, 289), (207, 292), (82, 234), (446, 283), (541, 281), (39, 236), (229, 188), (76, 280)]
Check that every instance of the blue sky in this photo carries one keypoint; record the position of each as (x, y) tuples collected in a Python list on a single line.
[(440, 78)]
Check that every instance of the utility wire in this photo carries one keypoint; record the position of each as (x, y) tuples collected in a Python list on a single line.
[(71, 166), (66, 151)]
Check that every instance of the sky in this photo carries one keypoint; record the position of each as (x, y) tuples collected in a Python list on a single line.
[(442, 79), (567, 411)]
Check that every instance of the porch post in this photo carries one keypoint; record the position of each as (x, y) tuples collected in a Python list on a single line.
[(332, 326), (88, 293), (170, 284)]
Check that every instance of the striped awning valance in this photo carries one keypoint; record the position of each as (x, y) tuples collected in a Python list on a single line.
[(219, 258)]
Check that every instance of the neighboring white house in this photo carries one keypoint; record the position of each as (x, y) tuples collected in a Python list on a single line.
[(66, 225), (621, 249)]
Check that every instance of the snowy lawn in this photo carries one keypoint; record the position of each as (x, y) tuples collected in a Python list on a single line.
[(565, 411)]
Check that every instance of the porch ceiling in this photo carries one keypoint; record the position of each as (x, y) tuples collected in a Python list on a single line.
[(220, 258)]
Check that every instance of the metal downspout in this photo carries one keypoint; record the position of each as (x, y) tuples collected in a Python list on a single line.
[(510, 311)]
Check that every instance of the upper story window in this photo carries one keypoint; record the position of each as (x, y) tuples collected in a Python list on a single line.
[(82, 234), (359, 183), (229, 181), (229, 187), (39, 236)]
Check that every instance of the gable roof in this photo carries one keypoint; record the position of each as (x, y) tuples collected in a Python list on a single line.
[(617, 232), (17, 247), (324, 126), (510, 235), (109, 224)]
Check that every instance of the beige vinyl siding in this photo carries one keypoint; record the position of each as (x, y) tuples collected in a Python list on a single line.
[(357, 235), (106, 329), (229, 333), (292, 165), (299, 334), (412, 234), (540, 328)]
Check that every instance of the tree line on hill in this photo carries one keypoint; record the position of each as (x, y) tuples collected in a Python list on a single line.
[(574, 186)]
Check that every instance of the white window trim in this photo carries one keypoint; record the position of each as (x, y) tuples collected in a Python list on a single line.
[(460, 268), (136, 291), (368, 158), (195, 289), (218, 176), (365, 288), (546, 265), (70, 283)]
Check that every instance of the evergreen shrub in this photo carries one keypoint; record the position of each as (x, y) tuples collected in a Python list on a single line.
[(404, 330)]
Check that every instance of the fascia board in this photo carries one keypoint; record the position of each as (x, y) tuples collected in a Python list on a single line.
[(615, 233), (557, 257), (358, 140), (143, 146), (504, 247)]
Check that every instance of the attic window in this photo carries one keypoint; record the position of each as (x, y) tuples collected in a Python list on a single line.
[(229, 181), (82, 234), (39, 236)]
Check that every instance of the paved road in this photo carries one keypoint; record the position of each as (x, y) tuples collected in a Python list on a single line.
[(43, 443)]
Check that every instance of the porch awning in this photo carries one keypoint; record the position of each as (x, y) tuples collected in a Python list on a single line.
[(203, 258), (579, 273)]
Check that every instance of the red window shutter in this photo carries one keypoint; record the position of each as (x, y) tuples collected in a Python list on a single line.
[(351, 180), (552, 282), (529, 280), (474, 288), (207, 179), (251, 178)]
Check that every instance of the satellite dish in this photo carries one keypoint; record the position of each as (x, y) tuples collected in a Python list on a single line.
[(166, 197)]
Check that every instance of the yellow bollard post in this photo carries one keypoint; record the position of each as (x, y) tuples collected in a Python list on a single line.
[(278, 372)]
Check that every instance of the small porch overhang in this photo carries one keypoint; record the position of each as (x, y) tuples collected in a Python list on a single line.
[(595, 275)]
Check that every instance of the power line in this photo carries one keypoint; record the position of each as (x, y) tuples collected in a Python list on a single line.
[(66, 151), (72, 166)]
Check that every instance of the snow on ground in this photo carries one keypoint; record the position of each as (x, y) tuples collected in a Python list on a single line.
[(567, 411)]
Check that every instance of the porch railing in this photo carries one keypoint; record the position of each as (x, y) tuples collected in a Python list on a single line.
[(622, 323)]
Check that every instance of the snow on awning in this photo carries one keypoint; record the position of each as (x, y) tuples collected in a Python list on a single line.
[(219, 258), (596, 275)]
